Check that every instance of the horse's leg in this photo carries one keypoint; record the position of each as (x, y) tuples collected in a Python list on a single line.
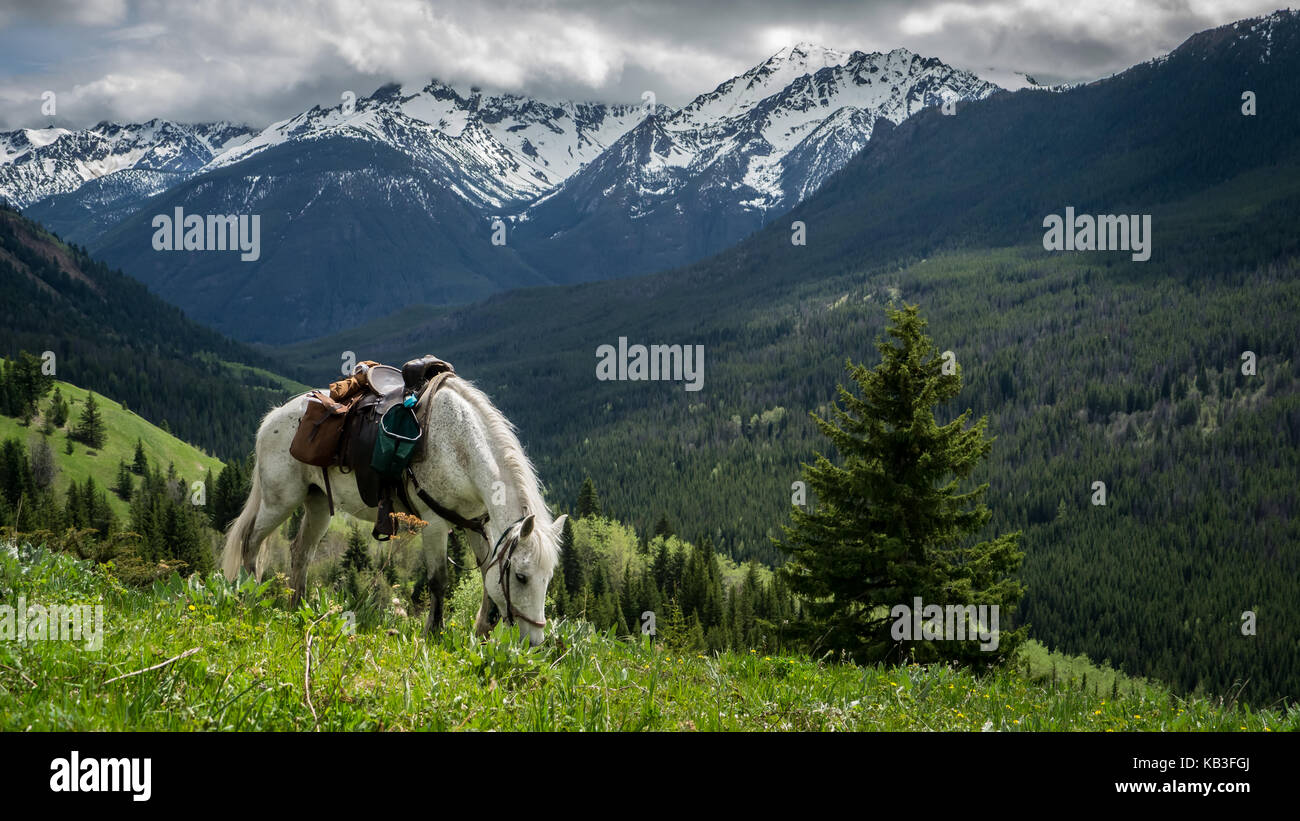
[(482, 623), (480, 546), (268, 519), (315, 520), (435, 556)]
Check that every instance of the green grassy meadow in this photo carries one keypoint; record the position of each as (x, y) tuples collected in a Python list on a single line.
[(234, 657)]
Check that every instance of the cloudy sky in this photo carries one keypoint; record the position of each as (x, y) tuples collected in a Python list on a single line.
[(256, 61)]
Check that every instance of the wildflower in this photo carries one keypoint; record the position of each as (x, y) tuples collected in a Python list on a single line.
[(1096, 712), (191, 607)]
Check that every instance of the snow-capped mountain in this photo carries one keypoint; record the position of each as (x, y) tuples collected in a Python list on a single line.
[(492, 151), (39, 163), (705, 176), (809, 93)]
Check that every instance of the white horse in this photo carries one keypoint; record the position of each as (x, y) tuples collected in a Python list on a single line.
[(469, 461)]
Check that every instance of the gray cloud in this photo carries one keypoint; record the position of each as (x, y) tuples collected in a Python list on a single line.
[(257, 61)]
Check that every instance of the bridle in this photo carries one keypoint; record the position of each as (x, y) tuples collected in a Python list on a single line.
[(502, 557)]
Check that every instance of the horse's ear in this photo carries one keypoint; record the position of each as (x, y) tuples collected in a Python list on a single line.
[(526, 529), (558, 525)]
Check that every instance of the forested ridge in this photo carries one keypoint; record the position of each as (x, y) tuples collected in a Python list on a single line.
[(109, 334)]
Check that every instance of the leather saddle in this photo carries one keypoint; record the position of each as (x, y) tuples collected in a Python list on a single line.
[(376, 391)]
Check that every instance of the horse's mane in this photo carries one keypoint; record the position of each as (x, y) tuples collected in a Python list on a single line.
[(501, 432)]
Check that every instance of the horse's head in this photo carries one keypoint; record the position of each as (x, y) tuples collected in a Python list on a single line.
[(515, 578)]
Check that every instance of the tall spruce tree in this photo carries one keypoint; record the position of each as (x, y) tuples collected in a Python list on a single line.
[(139, 464), (90, 427), (891, 523), (357, 556), (57, 414), (575, 575), (124, 482), (588, 500)]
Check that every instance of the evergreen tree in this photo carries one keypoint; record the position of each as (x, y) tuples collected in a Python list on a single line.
[(575, 576), (73, 507), (90, 427), (57, 413), (16, 478), (139, 465), (124, 482), (588, 500), (558, 591), (28, 384), (356, 557), (98, 515), (226, 498), (891, 524), (660, 567)]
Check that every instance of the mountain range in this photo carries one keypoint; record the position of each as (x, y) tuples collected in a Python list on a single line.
[(403, 192)]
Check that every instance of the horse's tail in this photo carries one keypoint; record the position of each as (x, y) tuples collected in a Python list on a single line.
[(238, 532)]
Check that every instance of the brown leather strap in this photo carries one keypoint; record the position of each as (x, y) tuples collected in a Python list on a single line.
[(478, 525)]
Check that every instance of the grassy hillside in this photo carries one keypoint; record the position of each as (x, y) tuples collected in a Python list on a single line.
[(124, 428), (111, 335), (230, 657)]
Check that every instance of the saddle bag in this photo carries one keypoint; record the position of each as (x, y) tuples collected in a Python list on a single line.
[(317, 440), (399, 434)]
